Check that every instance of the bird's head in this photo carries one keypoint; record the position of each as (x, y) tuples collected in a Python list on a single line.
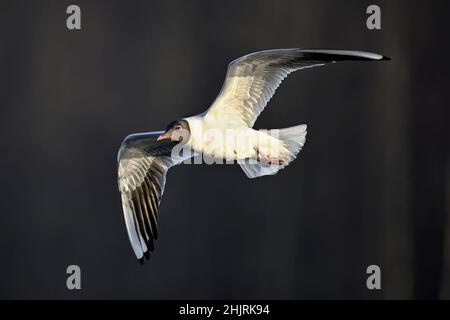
[(177, 131)]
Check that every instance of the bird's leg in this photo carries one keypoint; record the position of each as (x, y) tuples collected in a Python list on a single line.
[(262, 157)]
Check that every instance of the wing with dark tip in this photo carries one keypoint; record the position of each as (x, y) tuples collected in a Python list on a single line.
[(251, 80), (143, 164)]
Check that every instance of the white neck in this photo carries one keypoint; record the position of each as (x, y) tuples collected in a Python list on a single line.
[(196, 128)]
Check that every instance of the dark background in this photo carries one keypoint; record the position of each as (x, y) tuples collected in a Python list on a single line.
[(371, 186)]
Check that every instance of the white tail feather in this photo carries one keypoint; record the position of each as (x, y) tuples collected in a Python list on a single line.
[(292, 140)]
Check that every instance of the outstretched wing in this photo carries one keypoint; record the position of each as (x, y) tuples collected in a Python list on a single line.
[(251, 80), (143, 164)]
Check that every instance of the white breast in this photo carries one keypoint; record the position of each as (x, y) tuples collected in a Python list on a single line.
[(216, 140)]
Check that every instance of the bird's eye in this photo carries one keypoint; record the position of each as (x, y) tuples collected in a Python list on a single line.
[(178, 128)]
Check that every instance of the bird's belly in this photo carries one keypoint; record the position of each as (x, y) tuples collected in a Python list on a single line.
[(230, 144)]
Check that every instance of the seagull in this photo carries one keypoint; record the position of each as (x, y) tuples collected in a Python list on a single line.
[(224, 131)]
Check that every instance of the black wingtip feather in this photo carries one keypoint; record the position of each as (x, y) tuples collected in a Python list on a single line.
[(141, 261), (147, 255)]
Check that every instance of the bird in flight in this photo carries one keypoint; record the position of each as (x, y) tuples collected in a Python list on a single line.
[(224, 131)]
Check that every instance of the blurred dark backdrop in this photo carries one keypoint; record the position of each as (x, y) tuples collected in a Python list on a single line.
[(371, 185)]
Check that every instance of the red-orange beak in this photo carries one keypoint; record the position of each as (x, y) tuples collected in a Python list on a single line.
[(165, 136)]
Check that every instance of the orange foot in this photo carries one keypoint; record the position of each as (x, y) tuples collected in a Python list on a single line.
[(267, 159)]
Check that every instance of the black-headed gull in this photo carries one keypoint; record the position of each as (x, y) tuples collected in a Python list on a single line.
[(224, 131)]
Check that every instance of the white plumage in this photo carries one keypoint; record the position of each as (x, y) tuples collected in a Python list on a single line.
[(224, 131)]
